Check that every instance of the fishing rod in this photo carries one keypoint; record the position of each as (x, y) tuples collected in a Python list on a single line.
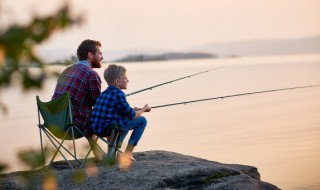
[(234, 95), (169, 82)]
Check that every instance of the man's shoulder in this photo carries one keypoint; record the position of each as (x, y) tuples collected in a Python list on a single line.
[(83, 69)]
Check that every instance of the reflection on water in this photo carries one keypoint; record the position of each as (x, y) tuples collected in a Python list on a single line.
[(277, 132)]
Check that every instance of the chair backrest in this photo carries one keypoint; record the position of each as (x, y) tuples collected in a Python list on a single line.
[(57, 116)]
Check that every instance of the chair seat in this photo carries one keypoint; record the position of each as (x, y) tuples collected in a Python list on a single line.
[(61, 133)]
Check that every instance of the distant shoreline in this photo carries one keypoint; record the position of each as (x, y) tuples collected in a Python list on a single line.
[(246, 48), (164, 57)]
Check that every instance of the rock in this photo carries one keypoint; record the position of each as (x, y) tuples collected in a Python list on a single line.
[(152, 170)]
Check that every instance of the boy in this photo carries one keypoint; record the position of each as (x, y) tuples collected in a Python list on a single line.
[(112, 107)]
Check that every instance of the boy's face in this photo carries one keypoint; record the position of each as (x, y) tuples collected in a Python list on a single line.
[(122, 82)]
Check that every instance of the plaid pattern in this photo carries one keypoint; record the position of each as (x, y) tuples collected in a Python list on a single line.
[(111, 107), (84, 86)]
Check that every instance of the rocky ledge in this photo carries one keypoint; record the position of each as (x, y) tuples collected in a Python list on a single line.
[(152, 170)]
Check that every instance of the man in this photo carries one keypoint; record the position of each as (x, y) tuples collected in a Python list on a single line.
[(82, 83)]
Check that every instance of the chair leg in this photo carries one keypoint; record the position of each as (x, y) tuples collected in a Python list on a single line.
[(58, 150), (47, 133), (91, 144), (94, 144), (112, 148), (43, 160), (110, 157), (74, 144)]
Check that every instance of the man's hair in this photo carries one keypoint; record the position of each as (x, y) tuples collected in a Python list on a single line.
[(113, 72), (85, 47)]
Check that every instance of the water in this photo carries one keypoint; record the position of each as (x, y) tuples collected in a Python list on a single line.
[(277, 132)]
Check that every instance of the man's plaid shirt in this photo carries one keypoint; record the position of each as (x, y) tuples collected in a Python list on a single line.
[(111, 107), (84, 86)]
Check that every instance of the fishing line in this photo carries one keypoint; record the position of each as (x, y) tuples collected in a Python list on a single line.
[(234, 95), (171, 81)]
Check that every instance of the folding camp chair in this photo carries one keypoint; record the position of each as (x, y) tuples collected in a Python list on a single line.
[(58, 124)]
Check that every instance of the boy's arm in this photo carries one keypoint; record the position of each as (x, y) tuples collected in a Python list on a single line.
[(139, 111), (127, 111)]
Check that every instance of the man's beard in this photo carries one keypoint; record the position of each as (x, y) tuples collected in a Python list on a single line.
[(96, 63)]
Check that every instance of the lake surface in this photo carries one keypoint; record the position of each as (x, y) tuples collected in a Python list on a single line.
[(278, 132)]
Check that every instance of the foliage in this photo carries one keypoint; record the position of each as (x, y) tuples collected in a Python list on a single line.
[(78, 176), (17, 56), (17, 45), (45, 176), (33, 158), (37, 180), (3, 167)]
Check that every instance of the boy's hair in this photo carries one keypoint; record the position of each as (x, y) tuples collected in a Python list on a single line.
[(113, 72), (85, 47)]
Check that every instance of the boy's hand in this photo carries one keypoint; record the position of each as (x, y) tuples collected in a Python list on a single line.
[(147, 108), (136, 109)]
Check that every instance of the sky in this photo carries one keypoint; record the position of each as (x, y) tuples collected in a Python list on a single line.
[(171, 24)]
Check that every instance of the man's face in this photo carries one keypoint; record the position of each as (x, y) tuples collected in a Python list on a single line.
[(97, 58)]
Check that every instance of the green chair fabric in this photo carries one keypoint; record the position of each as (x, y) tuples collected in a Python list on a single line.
[(57, 116)]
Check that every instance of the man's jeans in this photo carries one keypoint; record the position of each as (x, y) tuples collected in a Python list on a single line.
[(137, 125)]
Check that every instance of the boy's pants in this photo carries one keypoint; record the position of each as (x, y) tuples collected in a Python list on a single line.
[(137, 125)]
